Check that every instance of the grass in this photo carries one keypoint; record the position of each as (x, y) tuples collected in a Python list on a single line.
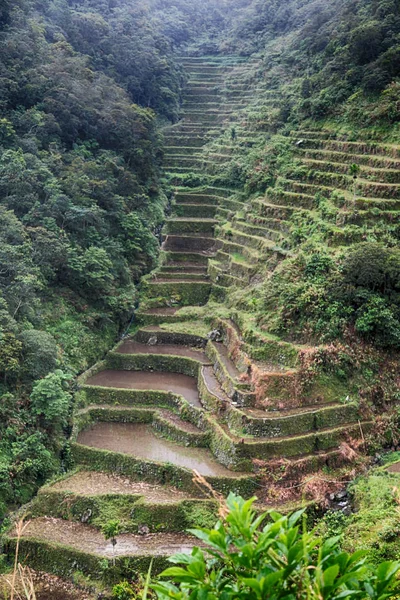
[(375, 524)]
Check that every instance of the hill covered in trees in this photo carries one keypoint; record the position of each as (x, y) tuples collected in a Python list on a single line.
[(309, 264)]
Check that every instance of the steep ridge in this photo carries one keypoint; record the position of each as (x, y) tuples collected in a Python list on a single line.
[(173, 398)]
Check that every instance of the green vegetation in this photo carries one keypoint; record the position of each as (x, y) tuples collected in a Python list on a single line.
[(373, 526), (247, 557), (282, 186), (82, 87), (315, 294), (338, 57)]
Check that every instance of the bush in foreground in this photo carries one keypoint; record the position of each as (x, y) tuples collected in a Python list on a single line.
[(271, 556)]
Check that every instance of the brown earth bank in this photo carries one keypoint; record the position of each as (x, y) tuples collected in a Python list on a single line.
[(85, 538), (47, 587), (91, 483)]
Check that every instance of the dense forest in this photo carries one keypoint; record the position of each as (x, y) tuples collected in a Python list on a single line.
[(80, 201), (85, 87)]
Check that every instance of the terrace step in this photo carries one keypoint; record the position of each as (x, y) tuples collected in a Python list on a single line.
[(193, 226), (261, 244), (342, 145), (145, 334), (180, 243), (258, 423), (220, 275), (259, 231), (141, 443), (184, 292), (163, 422), (181, 275), (90, 483), (175, 383), (191, 210), (382, 175), (131, 346), (332, 156), (187, 267), (78, 542)]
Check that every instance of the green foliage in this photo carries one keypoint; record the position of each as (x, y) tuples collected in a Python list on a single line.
[(39, 353), (80, 199), (314, 295), (111, 529), (123, 591), (335, 51), (50, 401), (374, 526), (10, 355), (248, 556)]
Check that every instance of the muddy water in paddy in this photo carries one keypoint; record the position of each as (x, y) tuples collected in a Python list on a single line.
[(132, 347), (139, 441), (142, 380)]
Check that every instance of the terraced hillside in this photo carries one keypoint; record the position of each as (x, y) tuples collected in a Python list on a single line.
[(198, 386)]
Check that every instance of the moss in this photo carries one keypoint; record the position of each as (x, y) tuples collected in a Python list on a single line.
[(375, 524), (153, 362), (122, 464), (290, 424), (171, 429), (233, 388), (146, 318), (168, 429), (205, 210), (130, 510), (210, 402), (64, 561), (189, 333), (198, 514), (189, 327), (167, 256), (92, 394), (189, 292), (183, 227)]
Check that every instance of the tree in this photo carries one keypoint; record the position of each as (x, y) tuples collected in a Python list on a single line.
[(271, 556), (93, 270), (10, 355), (39, 352), (50, 401)]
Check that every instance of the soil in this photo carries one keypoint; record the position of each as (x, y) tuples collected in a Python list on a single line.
[(47, 587), (88, 539), (149, 380), (132, 347), (394, 468), (91, 483)]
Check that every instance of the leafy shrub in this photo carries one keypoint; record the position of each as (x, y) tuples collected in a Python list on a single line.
[(50, 400), (123, 591), (271, 556), (39, 353)]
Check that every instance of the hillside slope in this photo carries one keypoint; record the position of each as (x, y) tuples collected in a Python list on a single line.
[(264, 352)]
